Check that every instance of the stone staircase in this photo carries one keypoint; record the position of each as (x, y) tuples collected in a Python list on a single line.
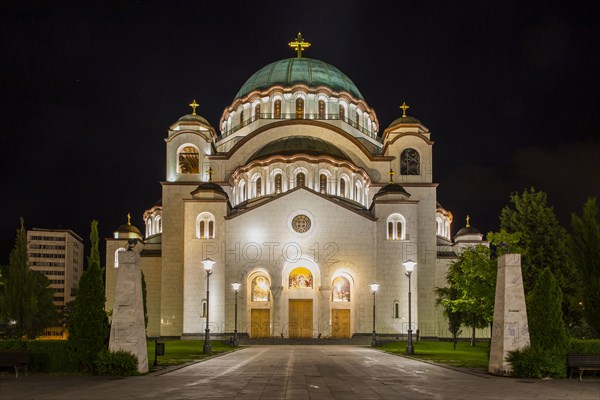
[(356, 341)]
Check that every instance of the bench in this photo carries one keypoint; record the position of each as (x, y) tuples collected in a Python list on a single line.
[(16, 359), (583, 362)]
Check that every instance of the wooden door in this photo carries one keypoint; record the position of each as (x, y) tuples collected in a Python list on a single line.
[(340, 319), (260, 323), (300, 319)]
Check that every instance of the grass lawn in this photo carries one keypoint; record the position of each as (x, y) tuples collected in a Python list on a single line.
[(182, 351), (443, 353)]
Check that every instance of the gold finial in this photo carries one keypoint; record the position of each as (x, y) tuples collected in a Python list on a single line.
[(193, 104), (210, 172), (391, 174), (128, 218), (404, 107), (468, 221), (299, 44)]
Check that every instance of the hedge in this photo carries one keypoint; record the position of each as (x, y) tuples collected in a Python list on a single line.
[(584, 346)]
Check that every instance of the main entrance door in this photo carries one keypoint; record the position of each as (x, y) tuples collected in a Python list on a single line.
[(261, 321), (340, 319), (300, 318)]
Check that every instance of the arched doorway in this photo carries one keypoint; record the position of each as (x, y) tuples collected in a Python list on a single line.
[(301, 281), (259, 299)]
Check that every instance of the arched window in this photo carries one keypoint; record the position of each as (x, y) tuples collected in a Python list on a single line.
[(357, 120), (358, 192), (396, 227), (189, 160), (205, 226), (321, 109), (341, 289), (299, 108), (300, 179), (410, 162), (343, 187), (257, 111), (203, 309), (242, 122), (260, 289), (158, 225), (258, 186), (242, 191), (342, 112), (278, 183), (323, 183), (396, 309), (149, 227), (300, 278), (277, 109)]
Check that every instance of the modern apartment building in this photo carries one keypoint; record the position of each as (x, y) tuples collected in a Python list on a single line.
[(58, 254)]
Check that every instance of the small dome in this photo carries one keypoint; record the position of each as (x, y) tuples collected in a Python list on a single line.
[(209, 186), (293, 71), (193, 118), (127, 231), (291, 145), (392, 187), (405, 120), (468, 230)]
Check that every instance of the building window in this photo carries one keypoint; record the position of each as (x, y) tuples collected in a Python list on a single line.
[(203, 311), (278, 183), (342, 112), (323, 183), (299, 108), (257, 111), (410, 162), (205, 226), (242, 191), (357, 120), (300, 179), (343, 187), (341, 289), (260, 289), (258, 186), (321, 109), (277, 109), (242, 122), (189, 160), (396, 227), (396, 309)]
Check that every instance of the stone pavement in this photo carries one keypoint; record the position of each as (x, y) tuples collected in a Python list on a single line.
[(299, 372)]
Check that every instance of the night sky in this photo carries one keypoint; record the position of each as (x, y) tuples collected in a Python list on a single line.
[(509, 89)]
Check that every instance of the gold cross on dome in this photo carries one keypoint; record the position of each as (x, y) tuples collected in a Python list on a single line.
[(468, 221), (210, 173), (128, 218), (391, 174), (299, 44), (404, 107), (193, 104)]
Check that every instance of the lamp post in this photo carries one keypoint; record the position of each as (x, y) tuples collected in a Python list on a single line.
[(208, 264), (410, 266), (374, 287), (236, 288)]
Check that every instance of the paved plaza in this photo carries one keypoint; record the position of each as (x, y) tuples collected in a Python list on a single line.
[(299, 372)]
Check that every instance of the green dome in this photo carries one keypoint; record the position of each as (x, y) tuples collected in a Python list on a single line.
[(294, 71), (291, 145)]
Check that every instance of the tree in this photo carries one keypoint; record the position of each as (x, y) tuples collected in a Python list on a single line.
[(472, 288), (26, 300), (88, 322), (584, 248), (542, 242), (445, 297)]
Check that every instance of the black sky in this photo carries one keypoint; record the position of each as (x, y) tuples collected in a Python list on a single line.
[(510, 91)]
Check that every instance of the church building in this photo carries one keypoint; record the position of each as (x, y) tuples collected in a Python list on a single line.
[(304, 198)]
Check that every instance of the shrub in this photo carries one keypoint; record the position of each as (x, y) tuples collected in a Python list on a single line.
[(116, 363), (46, 355), (579, 346), (532, 362)]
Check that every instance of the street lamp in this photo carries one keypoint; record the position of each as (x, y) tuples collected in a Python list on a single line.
[(208, 264), (374, 287), (236, 288), (410, 266)]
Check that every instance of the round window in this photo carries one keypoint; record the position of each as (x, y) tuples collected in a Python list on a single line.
[(301, 223)]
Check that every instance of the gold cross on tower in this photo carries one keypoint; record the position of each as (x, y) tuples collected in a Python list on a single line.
[(404, 107), (128, 218), (210, 172), (193, 104), (468, 221), (391, 174), (299, 44)]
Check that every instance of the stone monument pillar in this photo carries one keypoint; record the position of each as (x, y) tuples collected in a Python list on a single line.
[(510, 330), (128, 330)]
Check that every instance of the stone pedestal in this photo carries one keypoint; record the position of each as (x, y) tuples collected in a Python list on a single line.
[(510, 329), (127, 330)]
